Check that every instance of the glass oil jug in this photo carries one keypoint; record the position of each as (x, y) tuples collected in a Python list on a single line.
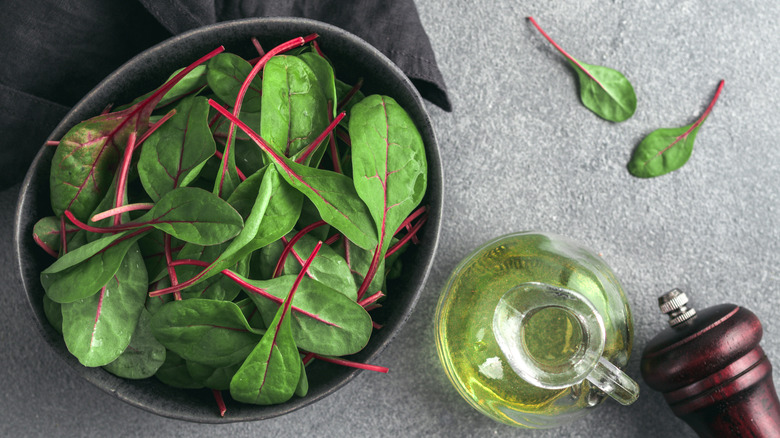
[(532, 329)]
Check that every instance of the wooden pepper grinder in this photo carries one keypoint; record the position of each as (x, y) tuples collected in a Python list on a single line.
[(711, 370)]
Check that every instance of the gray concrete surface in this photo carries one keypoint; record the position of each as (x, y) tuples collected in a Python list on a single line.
[(520, 152)]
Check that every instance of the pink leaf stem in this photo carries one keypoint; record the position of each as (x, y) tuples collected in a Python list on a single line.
[(258, 47), (563, 52), (376, 325), (168, 261), (49, 250), (410, 218), (349, 363), (313, 146), (52, 143), (343, 102), (287, 248), (308, 357), (156, 125), (296, 42), (241, 175), (332, 239), (408, 236), (220, 402), (372, 268), (371, 299), (343, 136), (120, 210), (317, 48), (121, 181), (334, 152), (63, 236), (295, 254)]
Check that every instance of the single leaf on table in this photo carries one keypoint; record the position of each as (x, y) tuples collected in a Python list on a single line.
[(193, 215), (329, 268), (86, 157), (295, 108), (210, 332), (667, 149), (143, 356), (82, 272), (173, 372), (97, 329), (603, 90), (226, 74), (175, 153), (388, 163), (324, 321), (333, 194)]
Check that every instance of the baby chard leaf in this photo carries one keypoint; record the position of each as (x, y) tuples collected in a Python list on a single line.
[(603, 90), (97, 329), (82, 272), (143, 357), (174, 372), (193, 215), (667, 149), (329, 268), (272, 371), (295, 108), (47, 234), (87, 155), (175, 153), (210, 332), (388, 162)]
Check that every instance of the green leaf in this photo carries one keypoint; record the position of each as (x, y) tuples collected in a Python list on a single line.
[(191, 82), (143, 357), (82, 272), (213, 333), (388, 162), (173, 372), (295, 108), (303, 383), (47, 232), (667, 149), (174, 154), (193, 215), (226, 74), (217, 287), (53, 312), (605, 91), (324, 321), (270, 374), (213, 378), (329, 268), (97, 329)]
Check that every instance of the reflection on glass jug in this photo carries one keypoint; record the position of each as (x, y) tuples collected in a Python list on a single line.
[(532, 330)]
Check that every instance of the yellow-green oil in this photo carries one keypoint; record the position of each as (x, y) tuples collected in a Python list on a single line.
[(468, 350)]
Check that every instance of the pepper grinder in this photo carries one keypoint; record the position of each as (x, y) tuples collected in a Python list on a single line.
[(711, 370)]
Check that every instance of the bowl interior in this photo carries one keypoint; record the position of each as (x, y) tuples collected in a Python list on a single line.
[(352, 58)]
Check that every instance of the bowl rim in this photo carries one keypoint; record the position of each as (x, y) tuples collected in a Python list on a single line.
[(22, 224)]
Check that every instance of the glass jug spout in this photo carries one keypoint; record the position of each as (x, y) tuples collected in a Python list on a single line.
[(554, 338)]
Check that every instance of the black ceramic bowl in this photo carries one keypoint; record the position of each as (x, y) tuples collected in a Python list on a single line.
[(352, 58)]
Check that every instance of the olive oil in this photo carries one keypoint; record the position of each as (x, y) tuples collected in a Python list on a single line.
[(475, 363)]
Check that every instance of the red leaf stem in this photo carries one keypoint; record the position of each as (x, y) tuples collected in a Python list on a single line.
[(258, 47), (121, 181), (308, 357), (371, 299), (317, 48), (408, 236), (296, 42), (341, 134), (168, 261), (291, 243), (347, 97), (313, 146), (295, 254), (695, 124), (349, 363), (120, 210), (154, 127), (220, 402), (410, 218), (52, 143), (63, 236), (376, 325), (238, 171), (372, 307), (332, 239), (334, 152), (563, 52), (298, 279), (49, 250), (372, 268)]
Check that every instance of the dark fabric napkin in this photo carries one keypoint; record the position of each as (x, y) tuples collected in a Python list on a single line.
[(52, 52)]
